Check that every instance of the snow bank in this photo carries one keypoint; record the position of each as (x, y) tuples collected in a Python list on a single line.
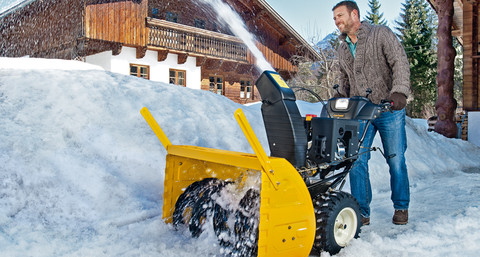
[(26, 63), (82, 173)]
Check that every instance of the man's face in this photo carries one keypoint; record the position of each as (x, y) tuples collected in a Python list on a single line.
[(344, 20)]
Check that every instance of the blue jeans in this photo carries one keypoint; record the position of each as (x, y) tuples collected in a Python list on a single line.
[(394, 139)]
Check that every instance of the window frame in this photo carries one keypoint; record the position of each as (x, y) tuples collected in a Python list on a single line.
[(177, 71), (139, 68), (245, 85), (215, 84)]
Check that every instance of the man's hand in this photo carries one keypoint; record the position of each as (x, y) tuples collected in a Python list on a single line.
[(399, 101)]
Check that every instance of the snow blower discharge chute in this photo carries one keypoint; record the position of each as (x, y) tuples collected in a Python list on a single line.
[(296, 205)]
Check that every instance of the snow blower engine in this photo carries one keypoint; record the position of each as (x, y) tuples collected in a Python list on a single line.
[(286, 204)]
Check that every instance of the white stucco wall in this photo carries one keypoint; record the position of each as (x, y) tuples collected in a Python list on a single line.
[(159, 71), (474, 127), (101, 59)]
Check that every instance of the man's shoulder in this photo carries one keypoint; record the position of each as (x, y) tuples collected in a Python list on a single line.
[(375, 27), (382, 29)]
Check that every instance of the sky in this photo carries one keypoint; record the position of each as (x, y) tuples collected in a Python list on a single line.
[(314, 18), (82, 174)]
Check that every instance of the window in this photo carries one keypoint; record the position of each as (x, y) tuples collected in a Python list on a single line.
[(142, 71), (245, 89), (155, 13), (216, 85), (177, 77), (171, 16), (200, 23)]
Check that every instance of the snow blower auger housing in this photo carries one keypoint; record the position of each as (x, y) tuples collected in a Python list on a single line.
[(299, 207), (287, 220)]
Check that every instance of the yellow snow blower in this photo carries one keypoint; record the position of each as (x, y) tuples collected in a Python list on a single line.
[(295, 204)]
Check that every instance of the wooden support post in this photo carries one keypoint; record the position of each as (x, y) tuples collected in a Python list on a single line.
[(141, 51), (182, 58), (162, 55), (446, 103)]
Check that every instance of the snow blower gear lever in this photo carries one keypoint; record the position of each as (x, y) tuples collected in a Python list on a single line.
[(295, 204)]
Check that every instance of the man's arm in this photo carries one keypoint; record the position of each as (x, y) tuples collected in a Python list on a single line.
[(397, 59), (343, 81)]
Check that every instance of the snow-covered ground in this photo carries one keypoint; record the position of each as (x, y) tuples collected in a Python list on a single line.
[(81, 173)]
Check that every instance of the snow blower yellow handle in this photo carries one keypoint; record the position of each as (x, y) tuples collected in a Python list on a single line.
[(256, 146), (155, 127)]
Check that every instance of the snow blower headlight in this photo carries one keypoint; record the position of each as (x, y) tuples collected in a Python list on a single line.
[(341, 104)]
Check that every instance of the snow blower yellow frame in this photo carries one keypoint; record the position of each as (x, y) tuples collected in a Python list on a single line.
[(287, 219)]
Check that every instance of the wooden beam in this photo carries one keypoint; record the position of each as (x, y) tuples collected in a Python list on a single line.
[(141, 51), (162, 55), (182, 58)]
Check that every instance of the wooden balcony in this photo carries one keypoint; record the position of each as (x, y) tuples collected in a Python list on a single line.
[(186, 39)]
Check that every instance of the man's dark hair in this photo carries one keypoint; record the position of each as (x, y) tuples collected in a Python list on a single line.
[(351, 5)]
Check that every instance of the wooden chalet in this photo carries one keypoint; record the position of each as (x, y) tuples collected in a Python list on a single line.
[(173, 41)]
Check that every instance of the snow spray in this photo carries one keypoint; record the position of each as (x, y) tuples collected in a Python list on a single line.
[(228, 16)]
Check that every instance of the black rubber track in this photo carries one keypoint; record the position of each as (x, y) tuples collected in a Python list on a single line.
[(190, 199), (246, 225)]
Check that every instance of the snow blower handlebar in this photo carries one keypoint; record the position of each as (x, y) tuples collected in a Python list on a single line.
[(155, 127), (256, 146)]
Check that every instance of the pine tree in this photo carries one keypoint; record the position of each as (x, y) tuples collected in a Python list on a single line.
[(417, 31), (374, 16)]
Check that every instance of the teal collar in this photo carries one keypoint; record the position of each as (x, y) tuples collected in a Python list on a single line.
[(352, 46)]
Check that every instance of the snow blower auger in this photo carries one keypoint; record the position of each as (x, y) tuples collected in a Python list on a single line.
[(298, 207)]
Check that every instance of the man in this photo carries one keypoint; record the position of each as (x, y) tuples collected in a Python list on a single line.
[(371, 56)]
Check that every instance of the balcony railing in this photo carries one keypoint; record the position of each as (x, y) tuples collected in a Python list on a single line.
[(179, 37)]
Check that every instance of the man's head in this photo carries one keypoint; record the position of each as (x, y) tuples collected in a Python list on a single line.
[(346, 16)]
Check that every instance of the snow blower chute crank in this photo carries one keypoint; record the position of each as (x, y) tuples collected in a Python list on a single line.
[(299, 206)]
